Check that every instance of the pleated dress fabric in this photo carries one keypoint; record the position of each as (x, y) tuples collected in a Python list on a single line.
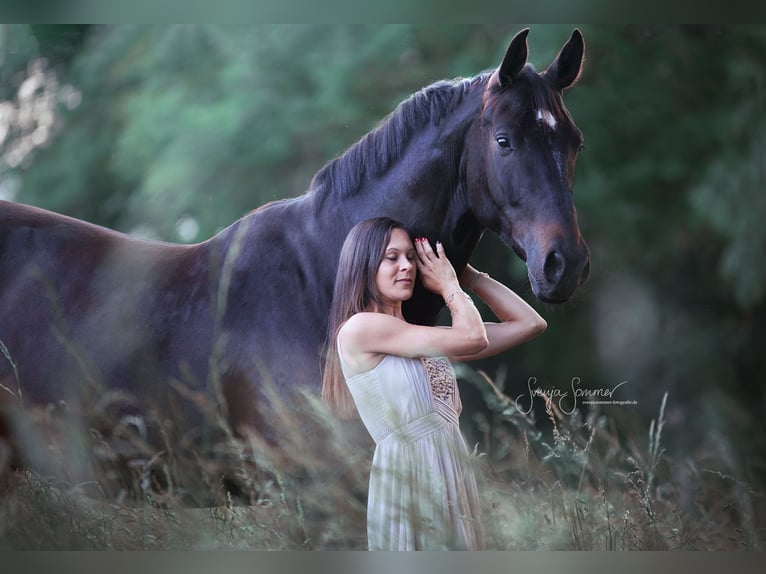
[(422, 491)]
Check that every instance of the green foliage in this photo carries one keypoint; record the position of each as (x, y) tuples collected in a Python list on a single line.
[(206, 121), (730, 195), (60, 44)]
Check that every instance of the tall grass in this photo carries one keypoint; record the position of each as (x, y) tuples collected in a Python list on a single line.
[(580, 483), (587, 484)]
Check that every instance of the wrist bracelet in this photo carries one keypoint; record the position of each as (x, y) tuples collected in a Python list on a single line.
[(449, 298)]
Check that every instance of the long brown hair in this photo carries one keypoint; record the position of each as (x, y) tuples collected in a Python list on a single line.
[(355, 291)]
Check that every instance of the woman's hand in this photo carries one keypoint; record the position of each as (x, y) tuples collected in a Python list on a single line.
[(436, 271)]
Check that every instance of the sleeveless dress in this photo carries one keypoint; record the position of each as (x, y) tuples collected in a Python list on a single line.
[(422, 491)]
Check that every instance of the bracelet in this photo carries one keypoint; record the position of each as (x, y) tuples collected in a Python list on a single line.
[(449, 298)]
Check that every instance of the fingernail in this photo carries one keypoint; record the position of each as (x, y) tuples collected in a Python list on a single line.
[(417, 240)]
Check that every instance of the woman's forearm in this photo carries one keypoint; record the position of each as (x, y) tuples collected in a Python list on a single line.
[(504, 303), (466, 318)]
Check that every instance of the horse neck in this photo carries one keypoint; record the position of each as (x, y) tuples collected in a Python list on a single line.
[(441, 182), (423, 182)]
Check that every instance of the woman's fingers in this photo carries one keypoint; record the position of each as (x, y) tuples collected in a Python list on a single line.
[(434, 267), (425, 252), (426, 248), (420, 252), (430, 258)]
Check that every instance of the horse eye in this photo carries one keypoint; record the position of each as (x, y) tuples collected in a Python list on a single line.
[(503, 141)]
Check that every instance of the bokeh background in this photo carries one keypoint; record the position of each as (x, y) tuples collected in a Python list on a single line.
[(174, 132)]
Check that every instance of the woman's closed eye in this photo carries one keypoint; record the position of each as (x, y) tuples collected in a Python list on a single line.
[(394, 257)]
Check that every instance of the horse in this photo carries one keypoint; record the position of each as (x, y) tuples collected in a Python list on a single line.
[(90, 315)]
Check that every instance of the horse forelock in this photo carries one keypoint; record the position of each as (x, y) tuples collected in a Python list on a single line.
[(376, 151), (537, 99), (547, 104)]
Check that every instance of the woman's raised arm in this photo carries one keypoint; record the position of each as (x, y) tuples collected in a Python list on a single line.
[(519, 321), (366, 337)]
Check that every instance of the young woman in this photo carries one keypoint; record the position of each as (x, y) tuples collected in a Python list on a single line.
[(397, 376)]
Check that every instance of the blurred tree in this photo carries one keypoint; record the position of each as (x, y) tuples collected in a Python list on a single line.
[(670, 191), (202, 123), (17, 48), (58, 43)]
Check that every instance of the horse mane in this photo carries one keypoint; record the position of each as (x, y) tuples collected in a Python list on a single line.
[(378, 149)]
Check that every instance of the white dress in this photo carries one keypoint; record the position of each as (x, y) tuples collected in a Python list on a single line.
[(422, 493)]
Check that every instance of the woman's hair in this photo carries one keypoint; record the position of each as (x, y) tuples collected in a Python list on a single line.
[(355, 291)]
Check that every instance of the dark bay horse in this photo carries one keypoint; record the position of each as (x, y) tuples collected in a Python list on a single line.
[(87, 313)]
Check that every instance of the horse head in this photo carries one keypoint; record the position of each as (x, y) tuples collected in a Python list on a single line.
[(520, 167)]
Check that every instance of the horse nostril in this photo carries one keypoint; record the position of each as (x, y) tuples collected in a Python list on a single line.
[(553, 267)]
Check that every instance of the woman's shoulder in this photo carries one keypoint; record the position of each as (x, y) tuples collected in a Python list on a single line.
[(355, 336), (361, 322), (362, 329)]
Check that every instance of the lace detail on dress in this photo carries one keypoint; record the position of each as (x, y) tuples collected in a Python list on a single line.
[(441, 377)]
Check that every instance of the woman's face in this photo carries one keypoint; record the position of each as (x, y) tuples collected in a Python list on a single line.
[(396, 274)]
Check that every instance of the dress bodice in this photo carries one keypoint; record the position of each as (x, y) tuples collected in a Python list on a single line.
[(399, 391)]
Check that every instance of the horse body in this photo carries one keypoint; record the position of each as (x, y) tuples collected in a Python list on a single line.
[(81, 302), (223, 318)]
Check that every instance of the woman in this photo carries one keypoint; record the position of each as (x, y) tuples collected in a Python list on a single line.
[(397, 376)]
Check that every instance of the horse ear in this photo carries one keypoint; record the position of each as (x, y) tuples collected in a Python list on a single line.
[(514, 60), (566, 68)]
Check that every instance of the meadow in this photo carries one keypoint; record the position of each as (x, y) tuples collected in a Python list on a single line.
[(579, 481)]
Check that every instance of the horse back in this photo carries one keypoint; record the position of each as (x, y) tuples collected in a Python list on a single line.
[(80, 301)]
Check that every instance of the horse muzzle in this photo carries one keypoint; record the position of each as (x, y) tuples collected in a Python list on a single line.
[(555, 275)]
